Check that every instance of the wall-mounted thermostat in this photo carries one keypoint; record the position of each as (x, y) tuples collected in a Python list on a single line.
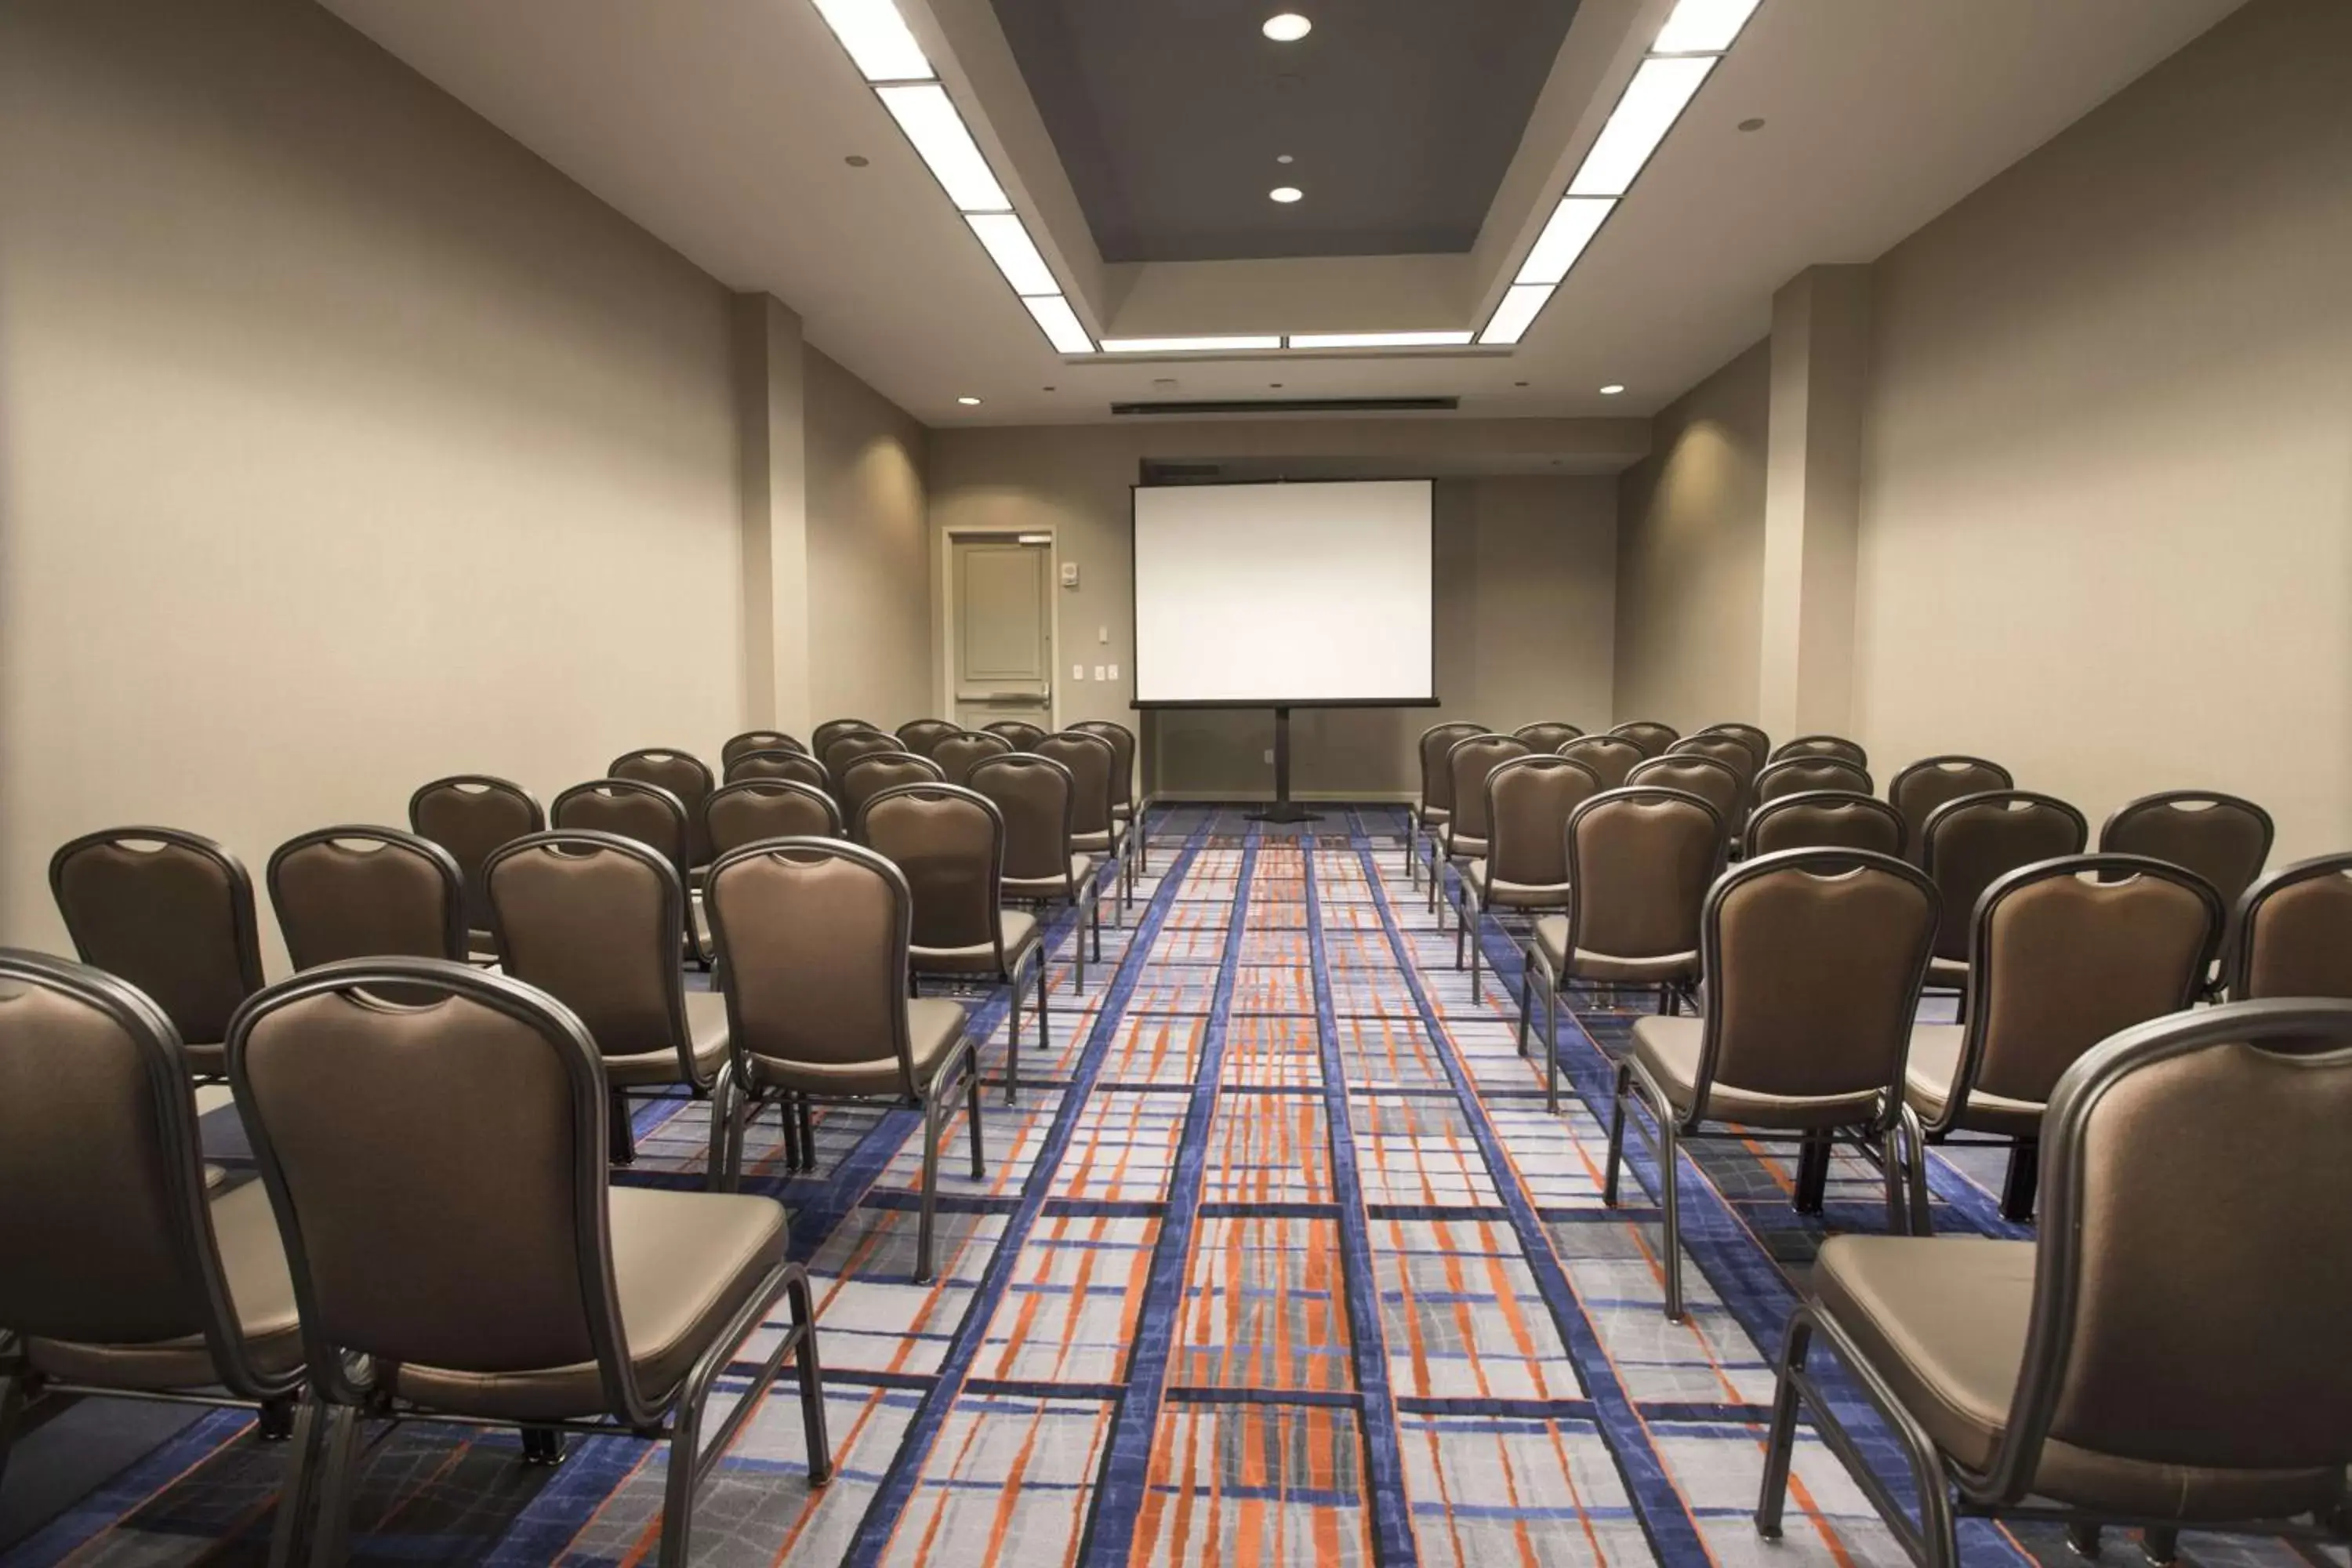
[(1069, 574)]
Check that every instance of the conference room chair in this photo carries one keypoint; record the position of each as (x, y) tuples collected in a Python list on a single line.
[(751, 741), (1758, 743), (959, 754), (1123, 807), (1428, 814), (833, 730), (1824, 819), (172, 913), (855, 746), (1547, 734), (798, 766), (1525, 869), (1972, 842), (1716, 781), (1462, 837), (813, 937), (1610, 757), (1801, 775), (1734, 752), (2061, 954), (869, 776), (2167, 1351), (751, 809), (1813, 960), (1652, 736), (1931, 781), (458, 1255), (2223, 839), (128, 1275), (949, 843), (685, 776), (646, 813), (1036, 797), (596, 920), (367, 892), (1019, 732), (920, 735), (2294, 931), (1093, 829), (1640, 860), (1836, 746), (469, 814)]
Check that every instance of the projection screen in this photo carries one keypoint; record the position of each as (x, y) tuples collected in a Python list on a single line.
[(1296, 595)]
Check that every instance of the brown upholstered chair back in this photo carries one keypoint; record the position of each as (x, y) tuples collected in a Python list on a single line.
[(1732, 751), (1610, 757), (1931, 781), (2221, 837), (751, 741), (1800, 774), (920, 735), (1436, 781), (833, 730), (2294, 931), (2060, 959), (1467, 765), (1713, 781), (1090, 761), (103, 1220), (866, 777), (1758, 743), (959, 754), (596, 921), (1122, 753), (366, 892), (685, 776), (1547, 734), (1815, 959), (1833, 746), (460, 1223), (469, 814), (1971, 843), (949, 843), (1034, 795), (646, 813), (855, 746), (1022, 734), (813, 936), (798, 766), (751, 809), (1529, 800), (1639, 859), (168, 911), (2188, 1314), (1825, 819), (1652, 736)]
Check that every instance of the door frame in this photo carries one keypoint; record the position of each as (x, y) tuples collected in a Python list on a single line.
[(949, 537)]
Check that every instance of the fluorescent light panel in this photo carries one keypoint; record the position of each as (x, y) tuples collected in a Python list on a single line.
[(1378, 340), (932, 124), (1703, 27), (1188, 345), (1059, 323), (1652, 101), (1522, 302), (1565, 235), (1014, 253), (876, 39)]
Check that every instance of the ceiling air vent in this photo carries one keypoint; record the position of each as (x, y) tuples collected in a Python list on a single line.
[(1295, 405)]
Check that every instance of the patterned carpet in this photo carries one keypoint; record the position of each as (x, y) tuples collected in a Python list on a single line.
[(1279, 1260)]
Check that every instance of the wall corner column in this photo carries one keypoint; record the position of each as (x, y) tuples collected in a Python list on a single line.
[(769, 410)]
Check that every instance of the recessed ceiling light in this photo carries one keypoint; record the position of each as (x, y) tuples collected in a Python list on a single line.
[(1284, 158), (1653, 101), (1755, 124), (1286, 194), (1290, 26), (1518, 383), (856, 160), (932, 124), (969, 402), (1227, 344), (1522, 302), (1611, 390), (876, 39), (1378, 340), (1703, 27)]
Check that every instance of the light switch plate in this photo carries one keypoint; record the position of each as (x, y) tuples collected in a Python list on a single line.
[(1069, 574), (1099, 673), (1077, 672), (1114, 671), (1102, 634)]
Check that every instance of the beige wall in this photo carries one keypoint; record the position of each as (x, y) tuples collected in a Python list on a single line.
[(869, 552), (2107, 514), (342, 444), (1690, 554)]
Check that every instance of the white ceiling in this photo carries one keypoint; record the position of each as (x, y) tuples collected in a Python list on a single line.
[(722, 128)]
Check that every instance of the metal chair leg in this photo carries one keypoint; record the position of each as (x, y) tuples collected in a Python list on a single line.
[(1527, 998), (812, 1380), (1552, 1042), (294, 1497), (1669, 1200), (931, 1194), (1813, 1172), (972, 1110), (622, 1132), (1780, 1447), (2082, 1538), (330, 1540), (1478, 929), (1915, 1169), (1609, 1188), (808, 1124), (1890, 1160), (2160, 1544), (2017, 1193)]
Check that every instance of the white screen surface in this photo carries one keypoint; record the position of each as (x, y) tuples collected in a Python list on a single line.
[(1281, 594)]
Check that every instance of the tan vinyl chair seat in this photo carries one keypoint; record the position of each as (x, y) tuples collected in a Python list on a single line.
[(209, 1061), (683, 1265), (706, 1024), (934, 1025), (1928, 1074), (1943, 1320), (253, 1263), (1551, 942), (1095, 843), (1667, 1048), (1514, 895), (1460, 849), (1952, 973), (1081, 867), (1019, 929)]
